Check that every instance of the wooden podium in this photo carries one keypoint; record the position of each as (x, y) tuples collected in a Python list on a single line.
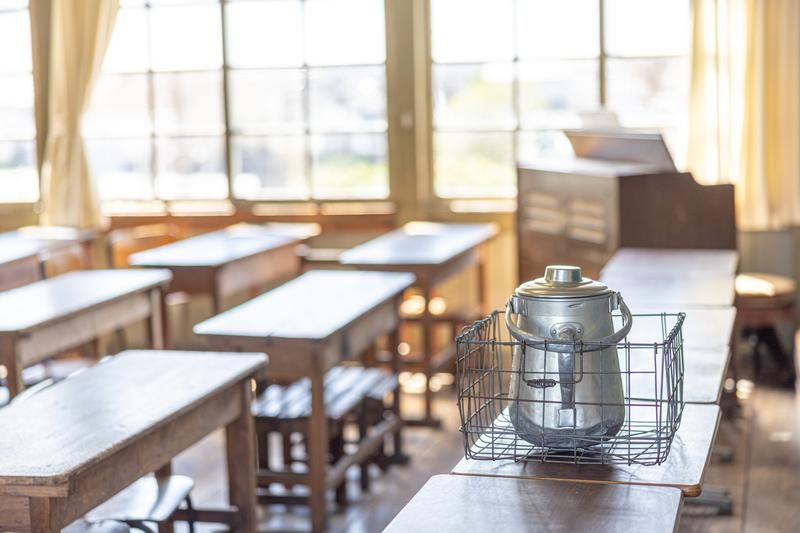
[(579, 211)]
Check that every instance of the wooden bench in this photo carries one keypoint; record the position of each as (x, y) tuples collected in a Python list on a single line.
[(353, 394)]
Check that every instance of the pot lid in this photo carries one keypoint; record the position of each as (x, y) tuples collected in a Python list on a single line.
[(562, 281)]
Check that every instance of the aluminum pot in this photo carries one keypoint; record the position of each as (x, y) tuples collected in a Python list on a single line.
[(566, 388)]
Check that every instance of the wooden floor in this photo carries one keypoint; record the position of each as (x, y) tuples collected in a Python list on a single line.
[(764, 476)]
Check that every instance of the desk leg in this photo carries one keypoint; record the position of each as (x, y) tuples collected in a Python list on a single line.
[(317, 451), (8, 358), (41, 516), (429, 347), (483, 285), (240, 439), (155, 323), (161, 474), (216, 296), (398, 457)]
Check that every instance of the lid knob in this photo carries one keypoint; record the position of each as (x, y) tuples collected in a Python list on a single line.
[(563, 274)]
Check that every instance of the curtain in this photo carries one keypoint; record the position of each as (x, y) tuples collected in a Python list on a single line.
[(744, 107), (79, 35)]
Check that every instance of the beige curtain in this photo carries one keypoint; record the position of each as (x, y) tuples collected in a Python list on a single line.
[(80, 31), (744, 110)]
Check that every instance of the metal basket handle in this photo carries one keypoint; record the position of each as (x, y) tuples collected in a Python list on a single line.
[(570, 347)]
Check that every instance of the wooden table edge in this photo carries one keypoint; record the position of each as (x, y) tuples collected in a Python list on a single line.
[(278, 338), (217, 265), (160, 284), (689, 490)]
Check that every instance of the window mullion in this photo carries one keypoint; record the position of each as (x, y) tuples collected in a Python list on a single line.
[(226, 104), (602, 48)]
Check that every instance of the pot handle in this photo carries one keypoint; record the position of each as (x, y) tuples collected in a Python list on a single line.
[(570, 347)]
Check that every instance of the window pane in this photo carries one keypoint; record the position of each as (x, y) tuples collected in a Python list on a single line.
[(188, 103), (19, 181), (472, 30), (268, 168), (349, 166), (127, 51), (348, 99), (15, 42), (16, 107), (474, 97), (186, 37), (265, 34), (191, 169), (648, 92), (119, 107), (345, 32), (14, 4), (562, 28), (474, 165), (551, 93), (647, 27), (652, 94), (121, 168), (266, 101), (532, 145)]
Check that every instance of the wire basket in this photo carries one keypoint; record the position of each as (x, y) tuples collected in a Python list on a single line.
[(652, 385)]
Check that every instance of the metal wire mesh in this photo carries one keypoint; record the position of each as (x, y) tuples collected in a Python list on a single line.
[(652, 384)]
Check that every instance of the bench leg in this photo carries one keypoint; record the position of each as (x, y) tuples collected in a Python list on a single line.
[(286, 438), (364, 420), (263, 450), (337, 452), (317, 445)]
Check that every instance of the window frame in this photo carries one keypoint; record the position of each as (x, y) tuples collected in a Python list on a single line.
[(14, 204), (231, 203)]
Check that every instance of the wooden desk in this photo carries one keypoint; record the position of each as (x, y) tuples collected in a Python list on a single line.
[(308, 325), (461, 504), (224, 262), (684, 468), (433, 252), (704, 374), (707, 337), (703, 327), (298, 230), (680, 263), (50, 238), (19, 264), (77, 443), (40, 320), (666, 289)]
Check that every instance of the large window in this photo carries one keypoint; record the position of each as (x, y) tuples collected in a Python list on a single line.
[(18, 176), (509, 74), (262, 100), (249, 99)]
